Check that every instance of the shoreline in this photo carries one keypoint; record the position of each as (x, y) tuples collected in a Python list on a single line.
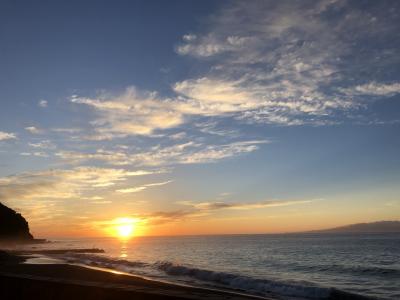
[(23, 278), (66, 281)]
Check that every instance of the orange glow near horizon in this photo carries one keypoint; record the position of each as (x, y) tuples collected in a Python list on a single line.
[(123, 228), (125, 224)]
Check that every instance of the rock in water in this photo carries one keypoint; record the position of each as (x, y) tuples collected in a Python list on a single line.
[(13, 225)]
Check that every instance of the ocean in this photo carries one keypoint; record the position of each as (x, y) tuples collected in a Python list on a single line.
[(286, 266)]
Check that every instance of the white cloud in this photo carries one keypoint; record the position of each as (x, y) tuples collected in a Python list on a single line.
[(62, 184), (142, 188), (283, 63), (269, 65), (189, 37), (131, 190), (158, 183), (183, 153), (67, 130), (211, 45), (132, 113), (45, 144), (277, 64), (43, 103), (112, 157), (36, 153), (214, 96), (93, 198), (211, 127), (178, 136), (102, 202), (33, 130), (56, 193), (374, 89), (7, 136), (213, 153), (274, 63)]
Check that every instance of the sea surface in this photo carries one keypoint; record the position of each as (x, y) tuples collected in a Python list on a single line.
[(287, 266)]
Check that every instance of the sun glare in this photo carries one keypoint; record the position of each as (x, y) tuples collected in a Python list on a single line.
[(125, 230), (124, 227)]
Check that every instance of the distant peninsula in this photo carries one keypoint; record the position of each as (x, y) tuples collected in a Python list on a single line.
[(374, 227), (13, 226)]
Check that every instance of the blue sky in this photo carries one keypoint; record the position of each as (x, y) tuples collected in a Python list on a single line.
[(200, 111)]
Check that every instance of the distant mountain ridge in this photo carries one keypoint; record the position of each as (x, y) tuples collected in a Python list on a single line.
[(374, 227)]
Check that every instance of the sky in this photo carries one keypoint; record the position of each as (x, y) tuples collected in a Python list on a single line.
[(199, 117)]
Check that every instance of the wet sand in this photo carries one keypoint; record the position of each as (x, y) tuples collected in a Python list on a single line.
[(63, 281)]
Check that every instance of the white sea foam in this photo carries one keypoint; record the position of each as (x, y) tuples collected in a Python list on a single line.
[(247, 284)]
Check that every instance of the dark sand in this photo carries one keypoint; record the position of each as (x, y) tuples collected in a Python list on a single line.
[(63, 281)]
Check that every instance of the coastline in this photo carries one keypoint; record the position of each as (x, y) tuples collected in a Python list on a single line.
[(65, 281), (21, 277)]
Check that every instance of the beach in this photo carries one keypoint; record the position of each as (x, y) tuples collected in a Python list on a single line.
[(64, 281)]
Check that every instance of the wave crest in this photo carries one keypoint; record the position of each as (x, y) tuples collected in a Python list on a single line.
[(246, 284), (103, 261)]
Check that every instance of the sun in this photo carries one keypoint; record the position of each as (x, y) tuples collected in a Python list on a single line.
[(124, 228)]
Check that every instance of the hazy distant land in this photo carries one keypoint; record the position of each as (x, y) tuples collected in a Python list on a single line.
[(373, 227)]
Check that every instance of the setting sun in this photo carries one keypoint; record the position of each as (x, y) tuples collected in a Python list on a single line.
[(125, 230), (124, 227)]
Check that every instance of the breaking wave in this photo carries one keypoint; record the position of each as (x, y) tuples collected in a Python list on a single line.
[(104, 262), (247, 284)]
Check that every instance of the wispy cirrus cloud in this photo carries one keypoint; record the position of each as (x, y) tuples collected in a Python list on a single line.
[(142, 187), (204, 209), (213, 153), (112, 157), (143, 113), (374, 89), (181, 153), (44, 144), (67, 130), (62, 183), (50, 194), (244, 205), (35, 153), (213, 128), (288, 63), (192, 153)]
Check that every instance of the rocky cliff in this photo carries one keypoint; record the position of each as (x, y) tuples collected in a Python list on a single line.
[(13, 225)]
